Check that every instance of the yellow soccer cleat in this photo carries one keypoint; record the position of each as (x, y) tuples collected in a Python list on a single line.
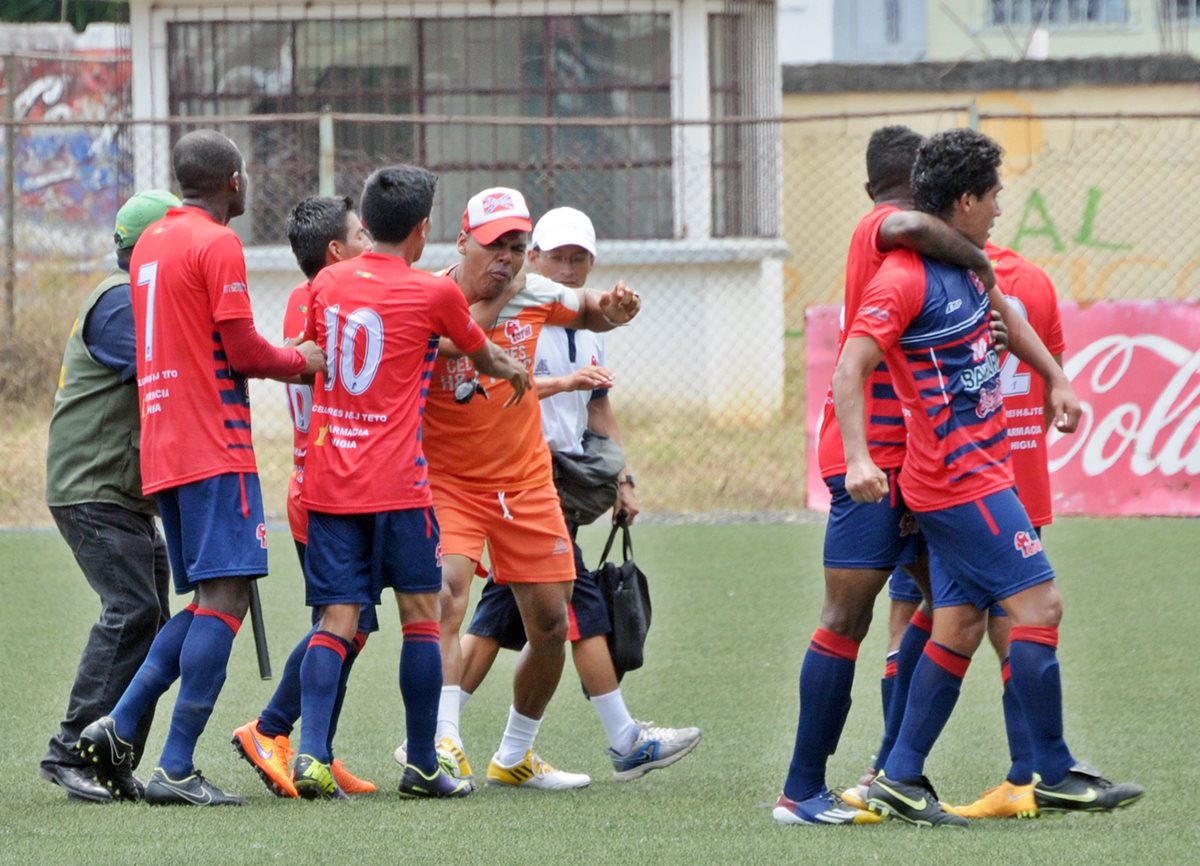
[(1006, 800), (533, 772)]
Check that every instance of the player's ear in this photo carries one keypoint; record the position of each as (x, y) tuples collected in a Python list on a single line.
[(870, 191), (462, 243)]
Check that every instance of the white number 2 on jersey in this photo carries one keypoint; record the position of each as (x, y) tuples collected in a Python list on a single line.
[(339, 348), (1013, 383)]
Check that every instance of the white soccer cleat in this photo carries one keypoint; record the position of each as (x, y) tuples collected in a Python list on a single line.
[(533, 772)]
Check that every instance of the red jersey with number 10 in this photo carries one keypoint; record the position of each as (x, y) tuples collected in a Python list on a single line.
[(885, 418), (188, 273), (379, 322), (1031, 293), (300, 398)]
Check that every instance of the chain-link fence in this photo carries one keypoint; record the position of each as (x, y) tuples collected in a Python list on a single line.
[(710, 381)]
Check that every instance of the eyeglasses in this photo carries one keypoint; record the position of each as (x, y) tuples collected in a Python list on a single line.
[(465, 391)]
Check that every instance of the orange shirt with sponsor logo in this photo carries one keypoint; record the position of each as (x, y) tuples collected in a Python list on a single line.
[(482, 445)]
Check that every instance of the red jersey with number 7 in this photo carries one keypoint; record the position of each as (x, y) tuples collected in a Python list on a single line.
[(188, 273), (379, 322)]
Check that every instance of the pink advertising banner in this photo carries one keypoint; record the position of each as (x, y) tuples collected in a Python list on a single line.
[(1135, 366)]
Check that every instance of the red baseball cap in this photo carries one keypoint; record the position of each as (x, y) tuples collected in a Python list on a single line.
[(494, 212)]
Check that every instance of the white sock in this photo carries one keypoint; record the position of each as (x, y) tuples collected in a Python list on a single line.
[(621, 728), (448, 713), (518, 738), (463, 697)]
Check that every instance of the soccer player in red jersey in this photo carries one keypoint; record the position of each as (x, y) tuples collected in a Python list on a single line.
[(863, 542), (322, 230), (492, 479), (366, 481), (930, 322), (196, 346)]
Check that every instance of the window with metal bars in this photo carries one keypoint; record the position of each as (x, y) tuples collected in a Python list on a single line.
[(463, 84), (1181, 10), (1057, 13)]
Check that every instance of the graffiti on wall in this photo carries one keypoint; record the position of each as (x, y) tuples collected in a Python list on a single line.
[(68, 178)]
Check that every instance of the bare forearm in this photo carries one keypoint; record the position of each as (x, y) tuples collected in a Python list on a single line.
[(933, 238), (849, 406)]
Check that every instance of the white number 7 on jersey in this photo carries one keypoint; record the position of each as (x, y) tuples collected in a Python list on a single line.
[(147, 276)]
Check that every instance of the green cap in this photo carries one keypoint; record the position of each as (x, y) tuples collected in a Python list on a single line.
[(138, 212)]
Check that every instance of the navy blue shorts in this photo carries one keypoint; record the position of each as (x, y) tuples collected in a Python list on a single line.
[(982, 552), (352, 558), (214, 528), (901, 586), (874, 535), (497, 616), (368, 617)]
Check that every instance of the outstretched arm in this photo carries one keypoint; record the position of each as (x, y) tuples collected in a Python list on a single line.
[(603, 311)]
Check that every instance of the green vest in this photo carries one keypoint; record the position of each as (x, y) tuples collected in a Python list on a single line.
[(94, 432)]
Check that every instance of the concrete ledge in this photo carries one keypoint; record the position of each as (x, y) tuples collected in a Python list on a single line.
[(972, 76)]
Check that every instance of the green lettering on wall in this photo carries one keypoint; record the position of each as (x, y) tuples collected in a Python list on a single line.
[(1037, 222), (1085, 236)]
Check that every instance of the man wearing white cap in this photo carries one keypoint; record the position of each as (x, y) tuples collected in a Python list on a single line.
[(573, 386), (490, 472)]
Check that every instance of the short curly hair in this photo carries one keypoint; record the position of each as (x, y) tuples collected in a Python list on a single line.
[(951, 164), (890, 155)]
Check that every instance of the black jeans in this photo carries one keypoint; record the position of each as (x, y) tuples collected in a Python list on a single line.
[(124, 559)]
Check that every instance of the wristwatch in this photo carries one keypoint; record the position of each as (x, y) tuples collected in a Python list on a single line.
[(627, 479)]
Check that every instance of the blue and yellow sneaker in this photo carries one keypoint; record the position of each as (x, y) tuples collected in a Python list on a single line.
[(913, 802), (824, 808), (313, 779)]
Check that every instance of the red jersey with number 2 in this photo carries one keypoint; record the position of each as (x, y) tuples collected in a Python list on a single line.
[(188, 273), (885, 416), (379, 322), (1031, 293)]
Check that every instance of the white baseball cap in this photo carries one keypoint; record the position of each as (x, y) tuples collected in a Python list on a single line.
[(564, 226), (494, 212)]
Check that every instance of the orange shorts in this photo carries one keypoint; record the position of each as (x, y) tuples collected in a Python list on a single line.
[(526, 535)]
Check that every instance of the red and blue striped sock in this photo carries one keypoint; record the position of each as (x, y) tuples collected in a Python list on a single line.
[(826, 677), (889, 679), (280, 714), (1033, 658), (932, 695), (1020, 748), (356, 647), (421, 688), (319, 675), (912, 645), (155, 676), (202, 663)]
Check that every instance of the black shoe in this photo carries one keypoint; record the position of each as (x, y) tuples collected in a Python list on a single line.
[(914, 802), (80, 783), (438, 785), (194, 790), (112, 757), (1085, 790)]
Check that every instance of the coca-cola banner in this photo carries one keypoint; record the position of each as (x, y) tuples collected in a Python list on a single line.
[(1135, 366)]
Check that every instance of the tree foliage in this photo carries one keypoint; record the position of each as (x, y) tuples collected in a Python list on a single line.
[(78, 13)]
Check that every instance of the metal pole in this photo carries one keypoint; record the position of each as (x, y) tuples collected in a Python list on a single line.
[(10, 196), (325, 164)]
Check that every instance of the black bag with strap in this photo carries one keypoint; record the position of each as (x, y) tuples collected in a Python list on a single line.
[(627, 595)]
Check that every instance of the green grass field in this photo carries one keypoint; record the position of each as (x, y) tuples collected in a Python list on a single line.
[(734, 606)]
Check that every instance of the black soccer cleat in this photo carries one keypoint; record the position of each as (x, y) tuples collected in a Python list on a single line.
[(437, 785), (1085, 790), (112, 757), (193, 790), (914, 802)]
